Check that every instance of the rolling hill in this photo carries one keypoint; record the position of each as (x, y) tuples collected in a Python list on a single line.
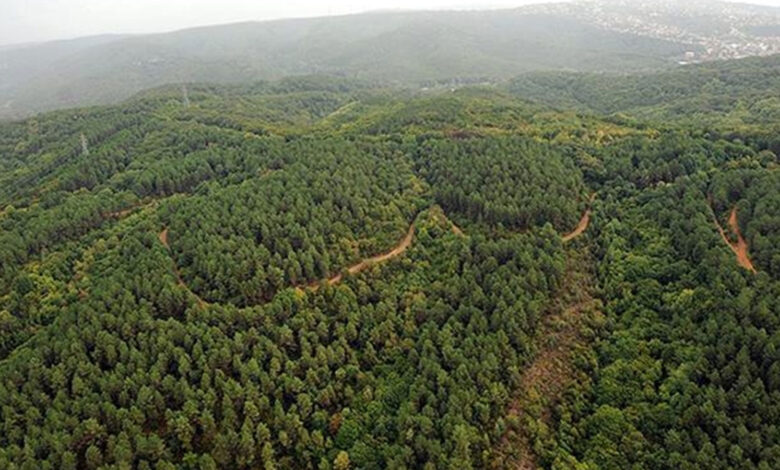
[(316, 272), (714, 94), (392, 48)]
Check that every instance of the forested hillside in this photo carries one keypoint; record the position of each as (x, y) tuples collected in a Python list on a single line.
[(423, 48), (318, 273), (721, 96)]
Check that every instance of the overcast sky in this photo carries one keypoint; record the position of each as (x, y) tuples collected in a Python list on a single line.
[(43, 20)]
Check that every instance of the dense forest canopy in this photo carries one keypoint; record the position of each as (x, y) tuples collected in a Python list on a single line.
[(719, 96), (320, 273)]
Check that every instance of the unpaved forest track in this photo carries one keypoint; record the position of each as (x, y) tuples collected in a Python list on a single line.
[(740, 247), (399, 249), (438, 214), (546, 377), (457, 230), (362, 265), (121, 214), (583, 223), (164, 238)]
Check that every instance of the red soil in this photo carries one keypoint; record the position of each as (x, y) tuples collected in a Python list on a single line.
[(740, 247), (582, 225)]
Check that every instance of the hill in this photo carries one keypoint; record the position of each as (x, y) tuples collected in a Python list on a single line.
[(391, 47), (316, 272), (717, 94)]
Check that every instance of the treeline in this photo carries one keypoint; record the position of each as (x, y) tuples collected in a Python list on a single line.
[(719, 94)]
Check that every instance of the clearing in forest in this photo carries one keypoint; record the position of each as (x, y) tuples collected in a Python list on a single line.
[(583, 223), (740, 247), (551, 371)]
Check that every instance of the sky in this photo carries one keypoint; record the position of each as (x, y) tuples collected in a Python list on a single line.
[(24, 21)]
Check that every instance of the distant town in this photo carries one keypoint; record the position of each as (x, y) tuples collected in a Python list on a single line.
[(742, 30)]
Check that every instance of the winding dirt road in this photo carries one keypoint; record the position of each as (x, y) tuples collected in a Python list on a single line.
[(582, 225), (399, 249), (366, 263), (120, 214), (740, 248)]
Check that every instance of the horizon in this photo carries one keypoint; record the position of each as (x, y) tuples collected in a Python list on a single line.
[(239, 11), (23, 18)]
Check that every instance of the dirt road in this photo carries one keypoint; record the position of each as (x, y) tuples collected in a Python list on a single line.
[(356, 268), (582, 225), (740, 247)]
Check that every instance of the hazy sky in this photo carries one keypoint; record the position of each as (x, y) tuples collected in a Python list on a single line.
[(42, 20)]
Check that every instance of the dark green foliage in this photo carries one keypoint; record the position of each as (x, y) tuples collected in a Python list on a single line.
[(688, 371), (497, 181), (117, 351), (719, 94), (338, 203)]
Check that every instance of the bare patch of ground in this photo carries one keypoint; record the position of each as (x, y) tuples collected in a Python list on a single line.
[(551, 370), (740, 247), (582, 225), (164, 238), (457, 231)]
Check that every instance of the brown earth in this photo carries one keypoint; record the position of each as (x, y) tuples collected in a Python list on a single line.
[(457, 230), (551, 370), (740, 247), (164, 238), (582, 225)]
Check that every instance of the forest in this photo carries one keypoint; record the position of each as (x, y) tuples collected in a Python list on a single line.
[(320, 273)]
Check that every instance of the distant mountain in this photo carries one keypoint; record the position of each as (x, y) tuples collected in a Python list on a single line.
[(411, 48), (392, 47)]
